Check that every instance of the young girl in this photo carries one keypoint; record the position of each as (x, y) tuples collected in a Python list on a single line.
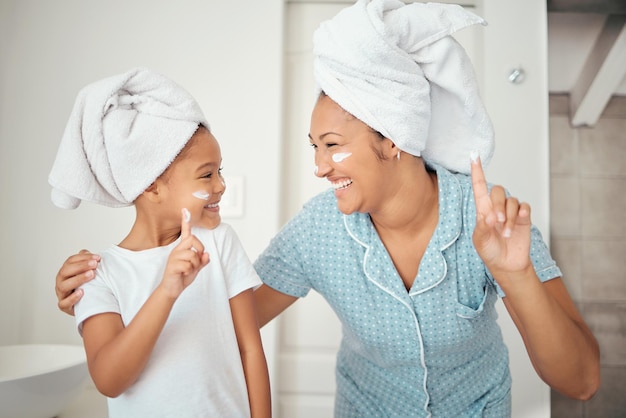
[(166, 332)]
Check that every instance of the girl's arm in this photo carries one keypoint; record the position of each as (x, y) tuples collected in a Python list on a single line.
[(253, 360), (116, 355)]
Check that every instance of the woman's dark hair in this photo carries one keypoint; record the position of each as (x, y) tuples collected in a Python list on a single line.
[(378, 153)]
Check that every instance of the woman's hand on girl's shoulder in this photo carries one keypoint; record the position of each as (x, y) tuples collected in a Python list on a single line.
[(76, 270)]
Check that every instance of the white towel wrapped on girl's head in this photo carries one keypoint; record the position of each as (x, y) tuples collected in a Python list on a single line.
[(122, 133), (396, 68)]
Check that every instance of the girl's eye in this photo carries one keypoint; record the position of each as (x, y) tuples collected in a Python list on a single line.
[(210, 174), (313, 146)]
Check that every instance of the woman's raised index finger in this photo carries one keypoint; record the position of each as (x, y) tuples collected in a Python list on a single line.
[(479, 184)]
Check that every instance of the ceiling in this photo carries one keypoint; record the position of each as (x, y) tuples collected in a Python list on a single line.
[(587, 54)]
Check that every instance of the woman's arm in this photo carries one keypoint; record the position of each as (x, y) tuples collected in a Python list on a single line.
[(561, 347), (270, 303), (79, 269), (253, 360)]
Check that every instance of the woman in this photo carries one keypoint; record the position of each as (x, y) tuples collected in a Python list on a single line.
[(408, 249)]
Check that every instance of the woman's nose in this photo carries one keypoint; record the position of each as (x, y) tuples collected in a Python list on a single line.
[(322, 167)]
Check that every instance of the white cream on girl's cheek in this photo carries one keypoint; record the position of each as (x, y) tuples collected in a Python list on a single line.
[(201, 195), (340, 156)]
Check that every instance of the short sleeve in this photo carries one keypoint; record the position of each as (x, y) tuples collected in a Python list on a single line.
[(544, 264), (282, 266), (98, 297), (239, 273)]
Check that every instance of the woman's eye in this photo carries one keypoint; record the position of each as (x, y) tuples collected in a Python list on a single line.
[(313, 146)]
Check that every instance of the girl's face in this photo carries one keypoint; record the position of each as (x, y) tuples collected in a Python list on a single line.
[(194, 181), (350, 155)]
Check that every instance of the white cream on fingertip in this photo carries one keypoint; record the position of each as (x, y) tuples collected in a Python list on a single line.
[(340, 156), (186, 214), (474, 156), (315, 170)]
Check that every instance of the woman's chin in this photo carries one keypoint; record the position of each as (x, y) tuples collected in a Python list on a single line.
[(346, 209)]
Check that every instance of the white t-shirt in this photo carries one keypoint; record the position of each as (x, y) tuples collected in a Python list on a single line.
[(195, 368)]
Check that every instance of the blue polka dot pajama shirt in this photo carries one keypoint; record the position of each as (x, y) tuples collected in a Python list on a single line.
[(435, 350)]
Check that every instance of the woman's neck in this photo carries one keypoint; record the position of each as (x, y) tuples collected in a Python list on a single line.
[(412, 206)]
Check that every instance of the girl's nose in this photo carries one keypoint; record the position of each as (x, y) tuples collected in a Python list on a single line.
[(220, 186)]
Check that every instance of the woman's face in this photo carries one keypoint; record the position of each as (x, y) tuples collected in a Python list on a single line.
[(194, 181), (348, 153)]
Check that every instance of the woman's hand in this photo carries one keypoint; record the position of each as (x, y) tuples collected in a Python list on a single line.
[(502, 233), (559, 343), (185, 260), (76, 270)]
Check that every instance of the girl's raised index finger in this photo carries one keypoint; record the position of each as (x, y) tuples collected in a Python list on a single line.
[(185, 226)]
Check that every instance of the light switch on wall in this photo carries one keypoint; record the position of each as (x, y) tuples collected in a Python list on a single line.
[(232, 203)]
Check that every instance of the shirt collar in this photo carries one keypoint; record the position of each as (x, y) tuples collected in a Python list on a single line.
[(377, 262)]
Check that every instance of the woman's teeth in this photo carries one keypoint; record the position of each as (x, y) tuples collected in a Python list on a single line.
[(342, 184), (212, 205)]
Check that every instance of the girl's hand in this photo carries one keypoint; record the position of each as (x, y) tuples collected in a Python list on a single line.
[(502, 234), (185, 260)]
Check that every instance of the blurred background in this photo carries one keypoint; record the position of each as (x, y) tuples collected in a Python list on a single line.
[(552, 76)]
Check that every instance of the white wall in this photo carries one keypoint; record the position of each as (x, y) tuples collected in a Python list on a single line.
[(227, 54)]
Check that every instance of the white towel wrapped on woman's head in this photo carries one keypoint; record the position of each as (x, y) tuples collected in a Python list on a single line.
[(122, 133), (396, 68)]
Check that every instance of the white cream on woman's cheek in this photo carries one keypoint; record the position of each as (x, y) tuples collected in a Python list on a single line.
[(200, 194), (340, 156)]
